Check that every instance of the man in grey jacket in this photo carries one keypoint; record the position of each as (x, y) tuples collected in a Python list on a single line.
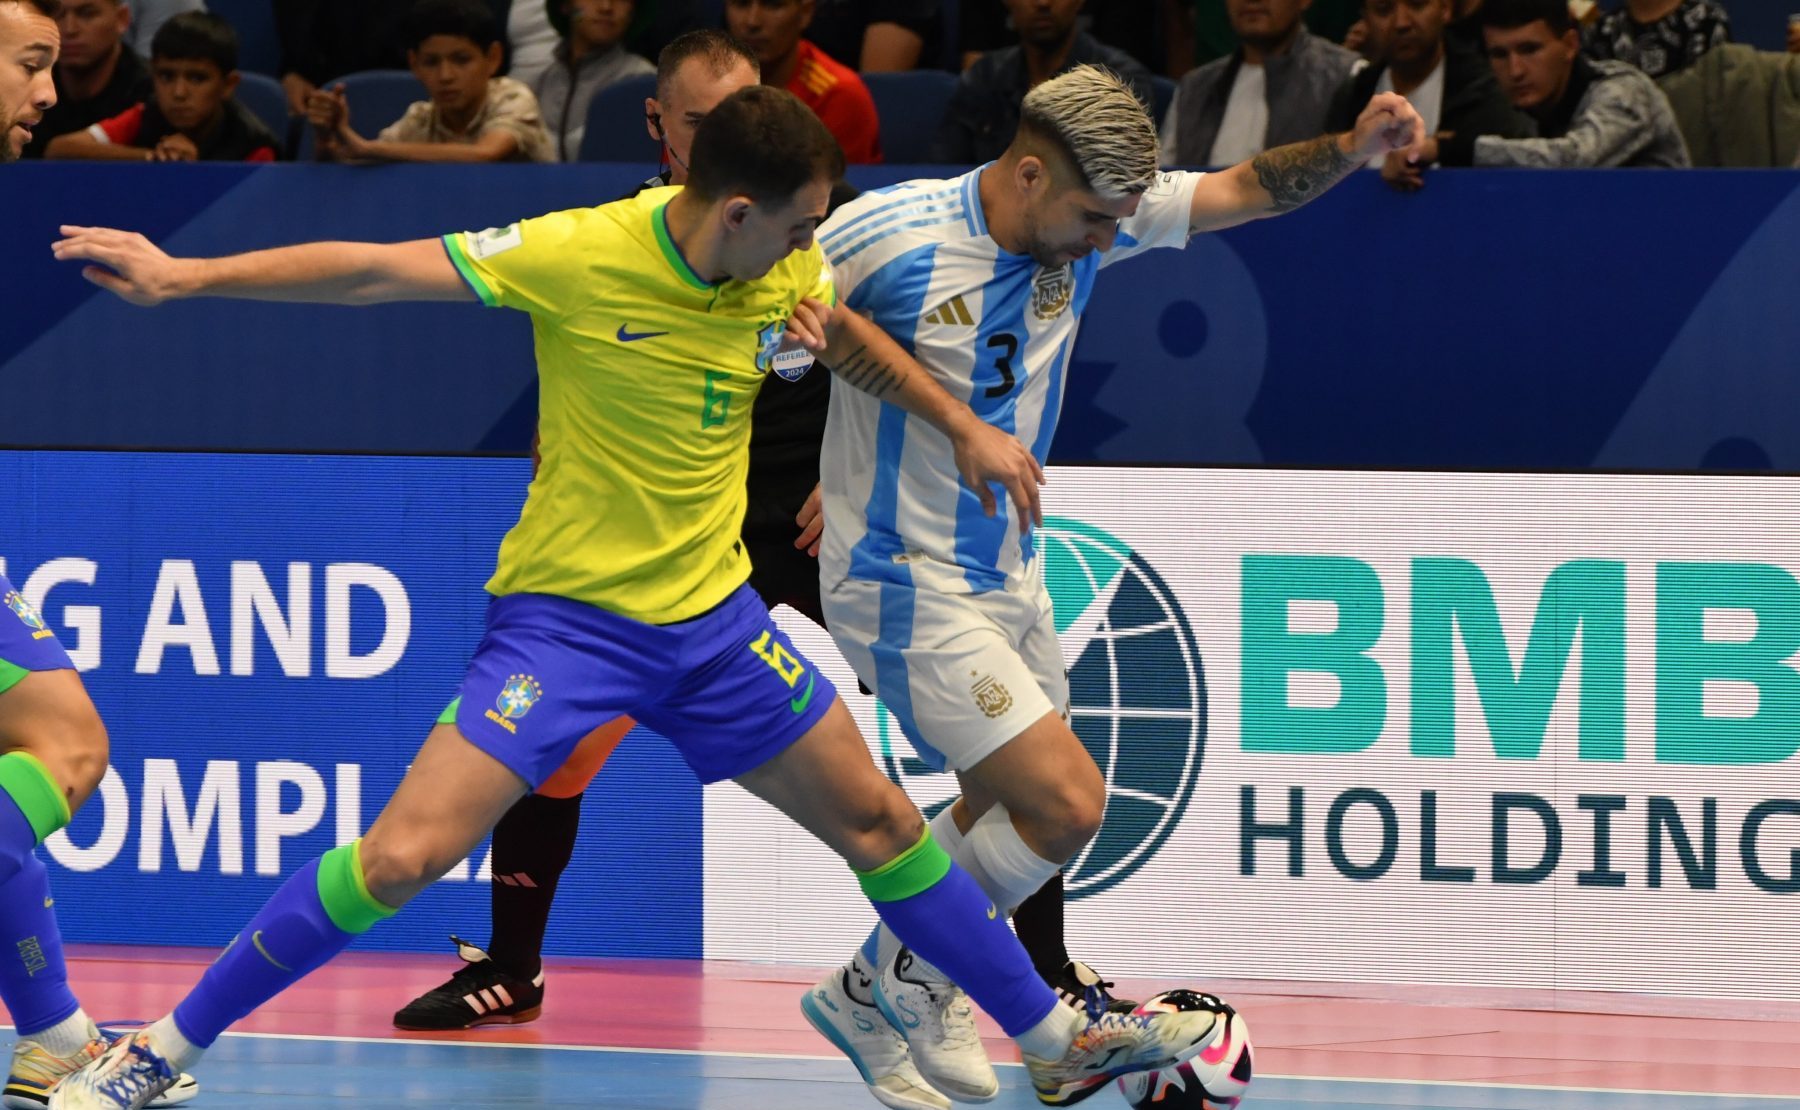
[(590, 57), (1588, 113), (1273, 90)]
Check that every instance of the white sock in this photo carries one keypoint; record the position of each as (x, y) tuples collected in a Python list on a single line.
[(1006, 868), (68, 1036), (861, 984), (948, 837), (166, 1037), (1051, 1037)]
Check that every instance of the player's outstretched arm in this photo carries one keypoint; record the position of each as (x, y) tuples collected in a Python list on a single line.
[(1283, 179), (320, 273), (867, 358)]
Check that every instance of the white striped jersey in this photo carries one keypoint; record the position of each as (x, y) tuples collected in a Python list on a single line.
[(996, 330)]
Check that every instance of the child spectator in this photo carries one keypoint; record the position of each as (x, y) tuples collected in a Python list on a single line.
[(588, 59), (472, 116), (191, 115)]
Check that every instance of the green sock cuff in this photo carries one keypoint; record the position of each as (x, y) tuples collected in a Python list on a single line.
[(912, 872), (345, 893), (26, 780)]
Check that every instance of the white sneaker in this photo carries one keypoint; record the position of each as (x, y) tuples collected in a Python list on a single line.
[(1119, 1044), (938, 1021), (861, 1033), (35, 1073), (127, 1076)]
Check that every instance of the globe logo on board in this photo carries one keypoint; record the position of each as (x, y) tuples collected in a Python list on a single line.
[(1137, 699)]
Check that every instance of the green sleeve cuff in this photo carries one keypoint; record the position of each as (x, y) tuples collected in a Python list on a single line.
[(25, 779), (912, 872), (345, 893), (460, 258)]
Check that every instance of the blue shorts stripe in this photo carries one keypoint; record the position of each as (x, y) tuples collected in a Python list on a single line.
[(890, 665)]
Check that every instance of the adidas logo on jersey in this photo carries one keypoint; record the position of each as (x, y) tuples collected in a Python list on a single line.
[(953, 311)]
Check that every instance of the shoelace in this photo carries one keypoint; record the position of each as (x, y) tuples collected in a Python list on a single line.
[(127, 1080), (950, 1002)]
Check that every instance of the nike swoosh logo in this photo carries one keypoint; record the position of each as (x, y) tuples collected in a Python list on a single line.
[(799, 704), (1217, 1054), (256, 939), (633, 336), (993, 912), (48, 902)]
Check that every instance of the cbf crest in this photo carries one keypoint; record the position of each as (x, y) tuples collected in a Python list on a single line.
[(28, 613), (1052, 291), (520, 693)]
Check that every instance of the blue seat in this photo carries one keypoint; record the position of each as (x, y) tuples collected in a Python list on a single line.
[(259, 47), (377, 98), (1162, 96), (266, 100), (615, 124), (911, 105)]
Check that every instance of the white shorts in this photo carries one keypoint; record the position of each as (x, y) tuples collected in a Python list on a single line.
[(962, 673)]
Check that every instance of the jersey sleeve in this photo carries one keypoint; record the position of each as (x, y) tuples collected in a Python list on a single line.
[(824, 285), (122, 129), (534, 265), (1162, 219)]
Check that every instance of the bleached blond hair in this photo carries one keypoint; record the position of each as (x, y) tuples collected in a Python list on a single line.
[(1092, 115)]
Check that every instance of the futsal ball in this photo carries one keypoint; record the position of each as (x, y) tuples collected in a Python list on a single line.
[(1217, 1078)]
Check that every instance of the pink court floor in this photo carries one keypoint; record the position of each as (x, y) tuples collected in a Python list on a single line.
[(666, 1035)]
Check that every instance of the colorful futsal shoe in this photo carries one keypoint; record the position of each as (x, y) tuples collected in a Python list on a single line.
[(480, 994), (35, 1073), (938, 1021), (861, 1033), (1119, 1044), (129, 1075), (1081, 988)]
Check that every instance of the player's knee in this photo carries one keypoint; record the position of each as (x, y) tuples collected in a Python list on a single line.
[(1066, 817), (396, 869), (880, 831), (74, 747)]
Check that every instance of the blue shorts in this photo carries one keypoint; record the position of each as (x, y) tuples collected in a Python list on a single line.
[(727, 688), (26, 642)]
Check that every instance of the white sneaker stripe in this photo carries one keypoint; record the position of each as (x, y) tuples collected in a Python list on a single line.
[(475, 1004), (505, 998)]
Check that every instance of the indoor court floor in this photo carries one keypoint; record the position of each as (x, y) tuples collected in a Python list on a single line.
[(670, 1035)]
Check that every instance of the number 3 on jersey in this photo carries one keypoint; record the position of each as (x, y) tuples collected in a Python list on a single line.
[(1003, 362)]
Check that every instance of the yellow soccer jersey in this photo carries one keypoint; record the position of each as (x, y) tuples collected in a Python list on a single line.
[(646, 378)]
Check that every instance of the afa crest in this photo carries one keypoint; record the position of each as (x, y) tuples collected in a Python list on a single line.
[(28, 613), (520, 693), (991, 697), (1052, 291)]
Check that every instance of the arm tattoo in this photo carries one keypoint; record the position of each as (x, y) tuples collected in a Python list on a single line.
[(1295, 174), (868, 373)]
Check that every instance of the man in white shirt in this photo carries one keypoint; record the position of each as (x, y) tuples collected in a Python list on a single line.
[(931, 586)]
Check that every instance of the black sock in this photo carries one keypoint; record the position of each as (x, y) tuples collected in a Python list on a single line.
[(1039, 923), (532, 846)]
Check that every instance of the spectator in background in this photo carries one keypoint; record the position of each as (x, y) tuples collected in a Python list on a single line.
[(1588, 113), (1455, 93), (1658, 36), (97, 76), (531, 39), (148, 16), (192, 117), (693, 74), (1155, 32), (983, 115), (588, 59), (322, 40), (879, 36), (473, 114), (1273, 90), (1338, 21), (774, 29)]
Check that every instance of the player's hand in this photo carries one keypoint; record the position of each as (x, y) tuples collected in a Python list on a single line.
[(129, 264), (986, 454), (807, 325), (175, 148), (811, 519), (1389, 123)]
